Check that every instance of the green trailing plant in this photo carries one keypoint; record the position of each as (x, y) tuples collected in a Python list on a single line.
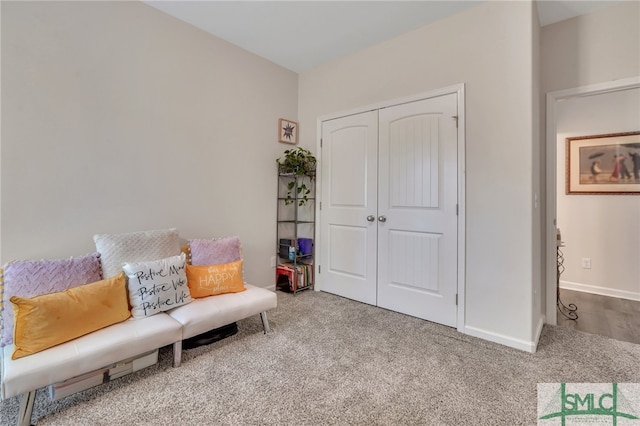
[(297, 162)]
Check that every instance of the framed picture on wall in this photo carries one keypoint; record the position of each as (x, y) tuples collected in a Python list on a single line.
[(604, 164), (287, 131)]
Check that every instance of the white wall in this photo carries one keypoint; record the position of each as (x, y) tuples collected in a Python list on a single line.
[(594, 48), (118, 118), (489, 48), (604, 228)]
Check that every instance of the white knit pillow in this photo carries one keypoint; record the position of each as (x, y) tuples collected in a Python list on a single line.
[(116, 249)]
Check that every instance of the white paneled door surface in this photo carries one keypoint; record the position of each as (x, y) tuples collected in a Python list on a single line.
[(349, 197), (389, 208), (417, 198)]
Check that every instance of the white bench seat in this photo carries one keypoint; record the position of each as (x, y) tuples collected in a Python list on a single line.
[(87, 353), (208, 313), (127, 339)]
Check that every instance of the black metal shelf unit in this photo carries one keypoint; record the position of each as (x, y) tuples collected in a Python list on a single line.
[(295, 232)]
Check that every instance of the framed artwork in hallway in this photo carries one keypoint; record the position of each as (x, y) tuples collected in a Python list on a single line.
[(604, 164)]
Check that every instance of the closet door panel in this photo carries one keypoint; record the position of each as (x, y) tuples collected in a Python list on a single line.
[(348, 239), (417, 197)]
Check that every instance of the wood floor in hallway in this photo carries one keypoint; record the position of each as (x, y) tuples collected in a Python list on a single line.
[(607, 316)]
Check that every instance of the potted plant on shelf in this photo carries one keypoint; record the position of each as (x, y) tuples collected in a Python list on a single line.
[(297, 162)]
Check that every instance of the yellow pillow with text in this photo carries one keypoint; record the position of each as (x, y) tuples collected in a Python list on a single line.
[(209, 280), (48, 320)]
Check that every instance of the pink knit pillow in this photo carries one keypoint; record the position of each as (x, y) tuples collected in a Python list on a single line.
[(30, 278), (215, 252)]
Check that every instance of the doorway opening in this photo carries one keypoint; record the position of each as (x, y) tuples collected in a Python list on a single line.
[(578, 293)]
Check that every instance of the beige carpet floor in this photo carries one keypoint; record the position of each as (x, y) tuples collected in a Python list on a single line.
[(332, 361)]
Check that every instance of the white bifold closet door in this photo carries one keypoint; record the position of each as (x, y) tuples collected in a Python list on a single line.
[(388, 223)]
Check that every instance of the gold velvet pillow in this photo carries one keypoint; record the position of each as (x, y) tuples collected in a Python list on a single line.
[(186, 249), (45, 321), (209, 280)]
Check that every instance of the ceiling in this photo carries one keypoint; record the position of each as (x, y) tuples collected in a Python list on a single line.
[(300, 35)]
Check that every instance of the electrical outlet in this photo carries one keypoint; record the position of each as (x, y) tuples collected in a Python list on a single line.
[(586, 263), (273, 261)]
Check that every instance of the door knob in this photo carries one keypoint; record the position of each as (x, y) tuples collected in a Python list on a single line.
[(382, 218), (371, 218)]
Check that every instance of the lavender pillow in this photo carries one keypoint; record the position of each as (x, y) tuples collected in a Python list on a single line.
[(216, 251), (29, 278)]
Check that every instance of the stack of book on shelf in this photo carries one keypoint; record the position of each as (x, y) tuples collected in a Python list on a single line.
[(286, 276)]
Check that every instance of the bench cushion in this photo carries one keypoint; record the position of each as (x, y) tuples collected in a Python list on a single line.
[(87, 353), (211, 312)]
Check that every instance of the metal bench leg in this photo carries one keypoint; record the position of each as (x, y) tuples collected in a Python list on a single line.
[(177, 353), (26, 408), (265, 322)]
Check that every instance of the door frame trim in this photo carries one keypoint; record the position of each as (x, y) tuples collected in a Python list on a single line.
[(553, 98), (459, 91)]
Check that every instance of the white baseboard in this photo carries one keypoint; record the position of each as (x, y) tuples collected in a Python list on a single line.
[(523, 345), (604, 291)]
